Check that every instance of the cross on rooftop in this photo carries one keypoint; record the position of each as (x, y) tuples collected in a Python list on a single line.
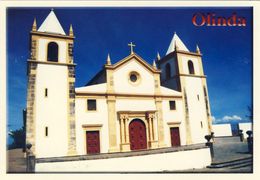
[(132, 47)]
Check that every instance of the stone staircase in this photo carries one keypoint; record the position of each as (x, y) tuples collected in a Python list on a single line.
[(233, 164)]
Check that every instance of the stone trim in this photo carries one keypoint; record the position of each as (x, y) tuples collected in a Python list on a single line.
[(71, 111), (30, 115)]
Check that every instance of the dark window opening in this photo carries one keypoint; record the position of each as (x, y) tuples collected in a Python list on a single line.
[(52, 52), (92, 105), (168, 71), (46, 131), (172, 105), (191, 67), (201, 124), (198, 97), (46, 92)]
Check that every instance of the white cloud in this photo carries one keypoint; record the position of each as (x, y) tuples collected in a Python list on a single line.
[(225, 118), (234, 117)]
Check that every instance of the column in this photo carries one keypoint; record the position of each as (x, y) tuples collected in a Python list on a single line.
[(122, 130), (127, 131), (124, 145)]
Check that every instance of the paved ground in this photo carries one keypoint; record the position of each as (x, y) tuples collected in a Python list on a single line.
[(225, 149), (16, 161), (228, 149)]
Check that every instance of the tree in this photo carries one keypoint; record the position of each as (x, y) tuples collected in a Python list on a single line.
[(250, 113), (18, 137)]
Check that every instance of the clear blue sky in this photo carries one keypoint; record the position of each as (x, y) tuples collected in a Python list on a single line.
[(227, 51)]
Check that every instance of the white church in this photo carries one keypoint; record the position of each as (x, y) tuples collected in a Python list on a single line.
[(130, 105)]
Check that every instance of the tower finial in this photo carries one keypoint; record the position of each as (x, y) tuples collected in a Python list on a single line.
[(71, 31), (108, 60), (158, 56), (198, 49), (34, 26), (154, 65)]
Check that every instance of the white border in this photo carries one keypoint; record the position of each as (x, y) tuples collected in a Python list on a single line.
[(5, 4)]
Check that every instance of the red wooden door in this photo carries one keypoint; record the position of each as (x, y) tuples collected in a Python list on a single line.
[(175, 136), (93, 143), (137, 133)]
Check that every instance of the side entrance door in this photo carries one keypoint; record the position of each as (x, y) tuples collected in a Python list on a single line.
[(175, 136), (93, 143), (137, 133)]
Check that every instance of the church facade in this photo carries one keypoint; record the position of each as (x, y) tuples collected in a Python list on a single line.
[(127, 106)]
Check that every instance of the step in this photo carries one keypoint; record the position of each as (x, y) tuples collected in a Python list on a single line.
[(231, 163), (242, 165)]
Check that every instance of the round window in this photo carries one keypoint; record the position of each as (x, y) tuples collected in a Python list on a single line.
[(133, 77)]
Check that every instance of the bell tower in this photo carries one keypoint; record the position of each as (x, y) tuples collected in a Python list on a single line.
[(50, 126), (182, 70)]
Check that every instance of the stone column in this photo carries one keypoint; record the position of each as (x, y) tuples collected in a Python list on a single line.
[(127, 131), (150, 118), (124, 145), (122, 128)]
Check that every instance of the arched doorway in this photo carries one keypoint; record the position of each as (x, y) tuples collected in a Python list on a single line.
[(137, 135)]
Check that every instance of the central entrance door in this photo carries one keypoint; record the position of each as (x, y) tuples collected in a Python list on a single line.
[(93, 143), (137, 133)]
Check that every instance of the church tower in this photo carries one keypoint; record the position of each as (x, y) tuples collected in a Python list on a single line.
[(182, 70), (50, 126)]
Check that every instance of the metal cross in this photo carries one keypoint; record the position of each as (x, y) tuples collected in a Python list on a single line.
[(132, 47)]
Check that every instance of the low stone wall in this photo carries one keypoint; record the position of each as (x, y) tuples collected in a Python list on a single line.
[(245, 127), (221, 130), (164, 159)]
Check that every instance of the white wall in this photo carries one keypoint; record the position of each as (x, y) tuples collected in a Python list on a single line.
[(222, 130), (42, 50), (51, 111), (121, 79), (173, 116), (84, 117), (197, 109), (245, 127), (157, 162)]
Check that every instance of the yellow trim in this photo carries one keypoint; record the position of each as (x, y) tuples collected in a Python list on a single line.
[(81, 95), (130, 57), (51, 35), (92, 127), (174, 125), (49, 62)]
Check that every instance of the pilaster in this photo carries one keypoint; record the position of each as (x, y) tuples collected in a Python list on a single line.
[(161, 141), (30, 115)]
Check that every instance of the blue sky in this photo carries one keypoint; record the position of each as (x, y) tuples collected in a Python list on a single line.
[(227, 51)]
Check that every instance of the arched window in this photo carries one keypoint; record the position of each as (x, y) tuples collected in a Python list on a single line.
[(168, 71), (191, 67), (53, 50)]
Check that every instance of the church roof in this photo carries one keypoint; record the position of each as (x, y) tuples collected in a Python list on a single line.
[(51, 25), (169, 92), (176, 41), (97, 88), (137, 58)]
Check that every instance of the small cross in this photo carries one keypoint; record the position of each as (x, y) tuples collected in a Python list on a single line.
[(132, 47)]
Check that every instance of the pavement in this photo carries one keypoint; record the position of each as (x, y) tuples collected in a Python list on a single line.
[(226, 149), (16, 162)]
